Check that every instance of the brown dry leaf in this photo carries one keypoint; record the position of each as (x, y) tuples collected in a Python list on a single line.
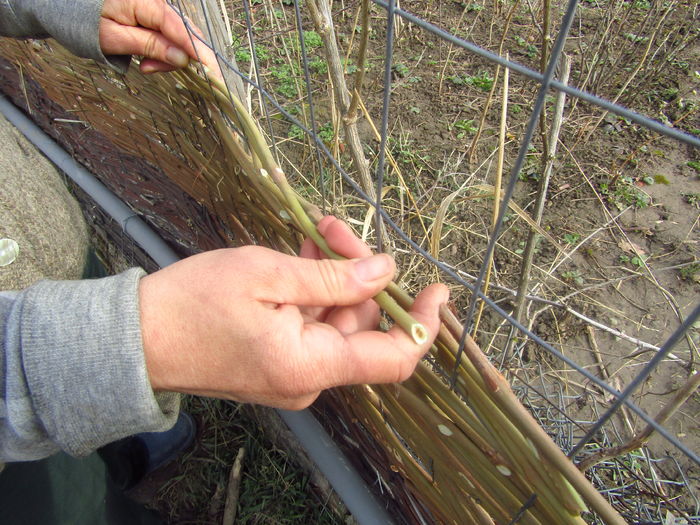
[(630, 247)]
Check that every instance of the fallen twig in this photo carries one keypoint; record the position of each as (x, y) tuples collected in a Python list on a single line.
[(233, 489)]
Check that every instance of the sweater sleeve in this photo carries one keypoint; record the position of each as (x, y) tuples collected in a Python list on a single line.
[(73, 23), (74, 374)]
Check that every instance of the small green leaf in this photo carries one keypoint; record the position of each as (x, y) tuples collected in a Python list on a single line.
[(571, 238)]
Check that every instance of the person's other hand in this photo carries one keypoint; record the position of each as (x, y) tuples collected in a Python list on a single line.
[(151, 29), (254, 325)]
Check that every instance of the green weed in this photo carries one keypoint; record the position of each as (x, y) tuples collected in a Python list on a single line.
[(472, 7), (635, 260), (284, 75), (636, 38), (573, 276), (529, 49), (326, 133), (349, 66), (692, 198), (318, 66), (691, 272), (482, 81), (625, 194), (465, 127), (571, 238), (405, 150), (312, 40), (295, 132), (400, 69)]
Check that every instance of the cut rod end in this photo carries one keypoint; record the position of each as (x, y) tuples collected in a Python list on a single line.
[(419, 333)]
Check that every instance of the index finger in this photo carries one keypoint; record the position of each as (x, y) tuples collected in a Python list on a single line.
[(341, 239)]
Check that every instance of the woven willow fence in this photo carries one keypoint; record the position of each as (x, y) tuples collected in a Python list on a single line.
[(203, 161)]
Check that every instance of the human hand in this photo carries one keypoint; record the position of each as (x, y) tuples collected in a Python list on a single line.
[(257, 326), (154, 30)]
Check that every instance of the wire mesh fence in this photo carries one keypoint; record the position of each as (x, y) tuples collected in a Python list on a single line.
[(588, 383)]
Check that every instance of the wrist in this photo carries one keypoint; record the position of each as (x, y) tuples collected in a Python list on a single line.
[(152, 336)]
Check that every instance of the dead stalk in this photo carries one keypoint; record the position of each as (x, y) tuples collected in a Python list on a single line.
[(233, 489), (533, 237), (497, 188)]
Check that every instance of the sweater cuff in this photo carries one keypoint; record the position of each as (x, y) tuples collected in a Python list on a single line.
[(85, 365)]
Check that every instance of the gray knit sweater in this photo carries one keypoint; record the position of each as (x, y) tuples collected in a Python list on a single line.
[(72, 368), (74, 23)]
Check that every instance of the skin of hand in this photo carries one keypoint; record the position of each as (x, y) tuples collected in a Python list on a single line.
[(254, 325), (154, 30)]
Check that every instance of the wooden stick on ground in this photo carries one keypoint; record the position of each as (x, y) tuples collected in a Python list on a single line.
[(234, 485)]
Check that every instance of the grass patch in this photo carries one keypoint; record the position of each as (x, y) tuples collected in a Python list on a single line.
[(273, 488)]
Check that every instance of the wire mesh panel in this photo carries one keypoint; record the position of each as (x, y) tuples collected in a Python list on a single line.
[(496, 147)]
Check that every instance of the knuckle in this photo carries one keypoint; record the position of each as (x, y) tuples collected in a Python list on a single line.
[(405, 371), (406, 366), (331, 277), (150, 47), (297, 404)]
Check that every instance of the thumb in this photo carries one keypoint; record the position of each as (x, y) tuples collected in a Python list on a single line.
[(326, 282)]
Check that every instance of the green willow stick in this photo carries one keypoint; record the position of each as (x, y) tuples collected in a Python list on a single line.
[(564, 477), (461, 451), (517, 445), (503, 395), (390, 424), (257, 143), (369, 405)]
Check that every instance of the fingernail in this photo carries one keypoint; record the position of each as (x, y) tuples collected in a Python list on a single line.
[(374, 267), (176, 57), (148, 69)]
